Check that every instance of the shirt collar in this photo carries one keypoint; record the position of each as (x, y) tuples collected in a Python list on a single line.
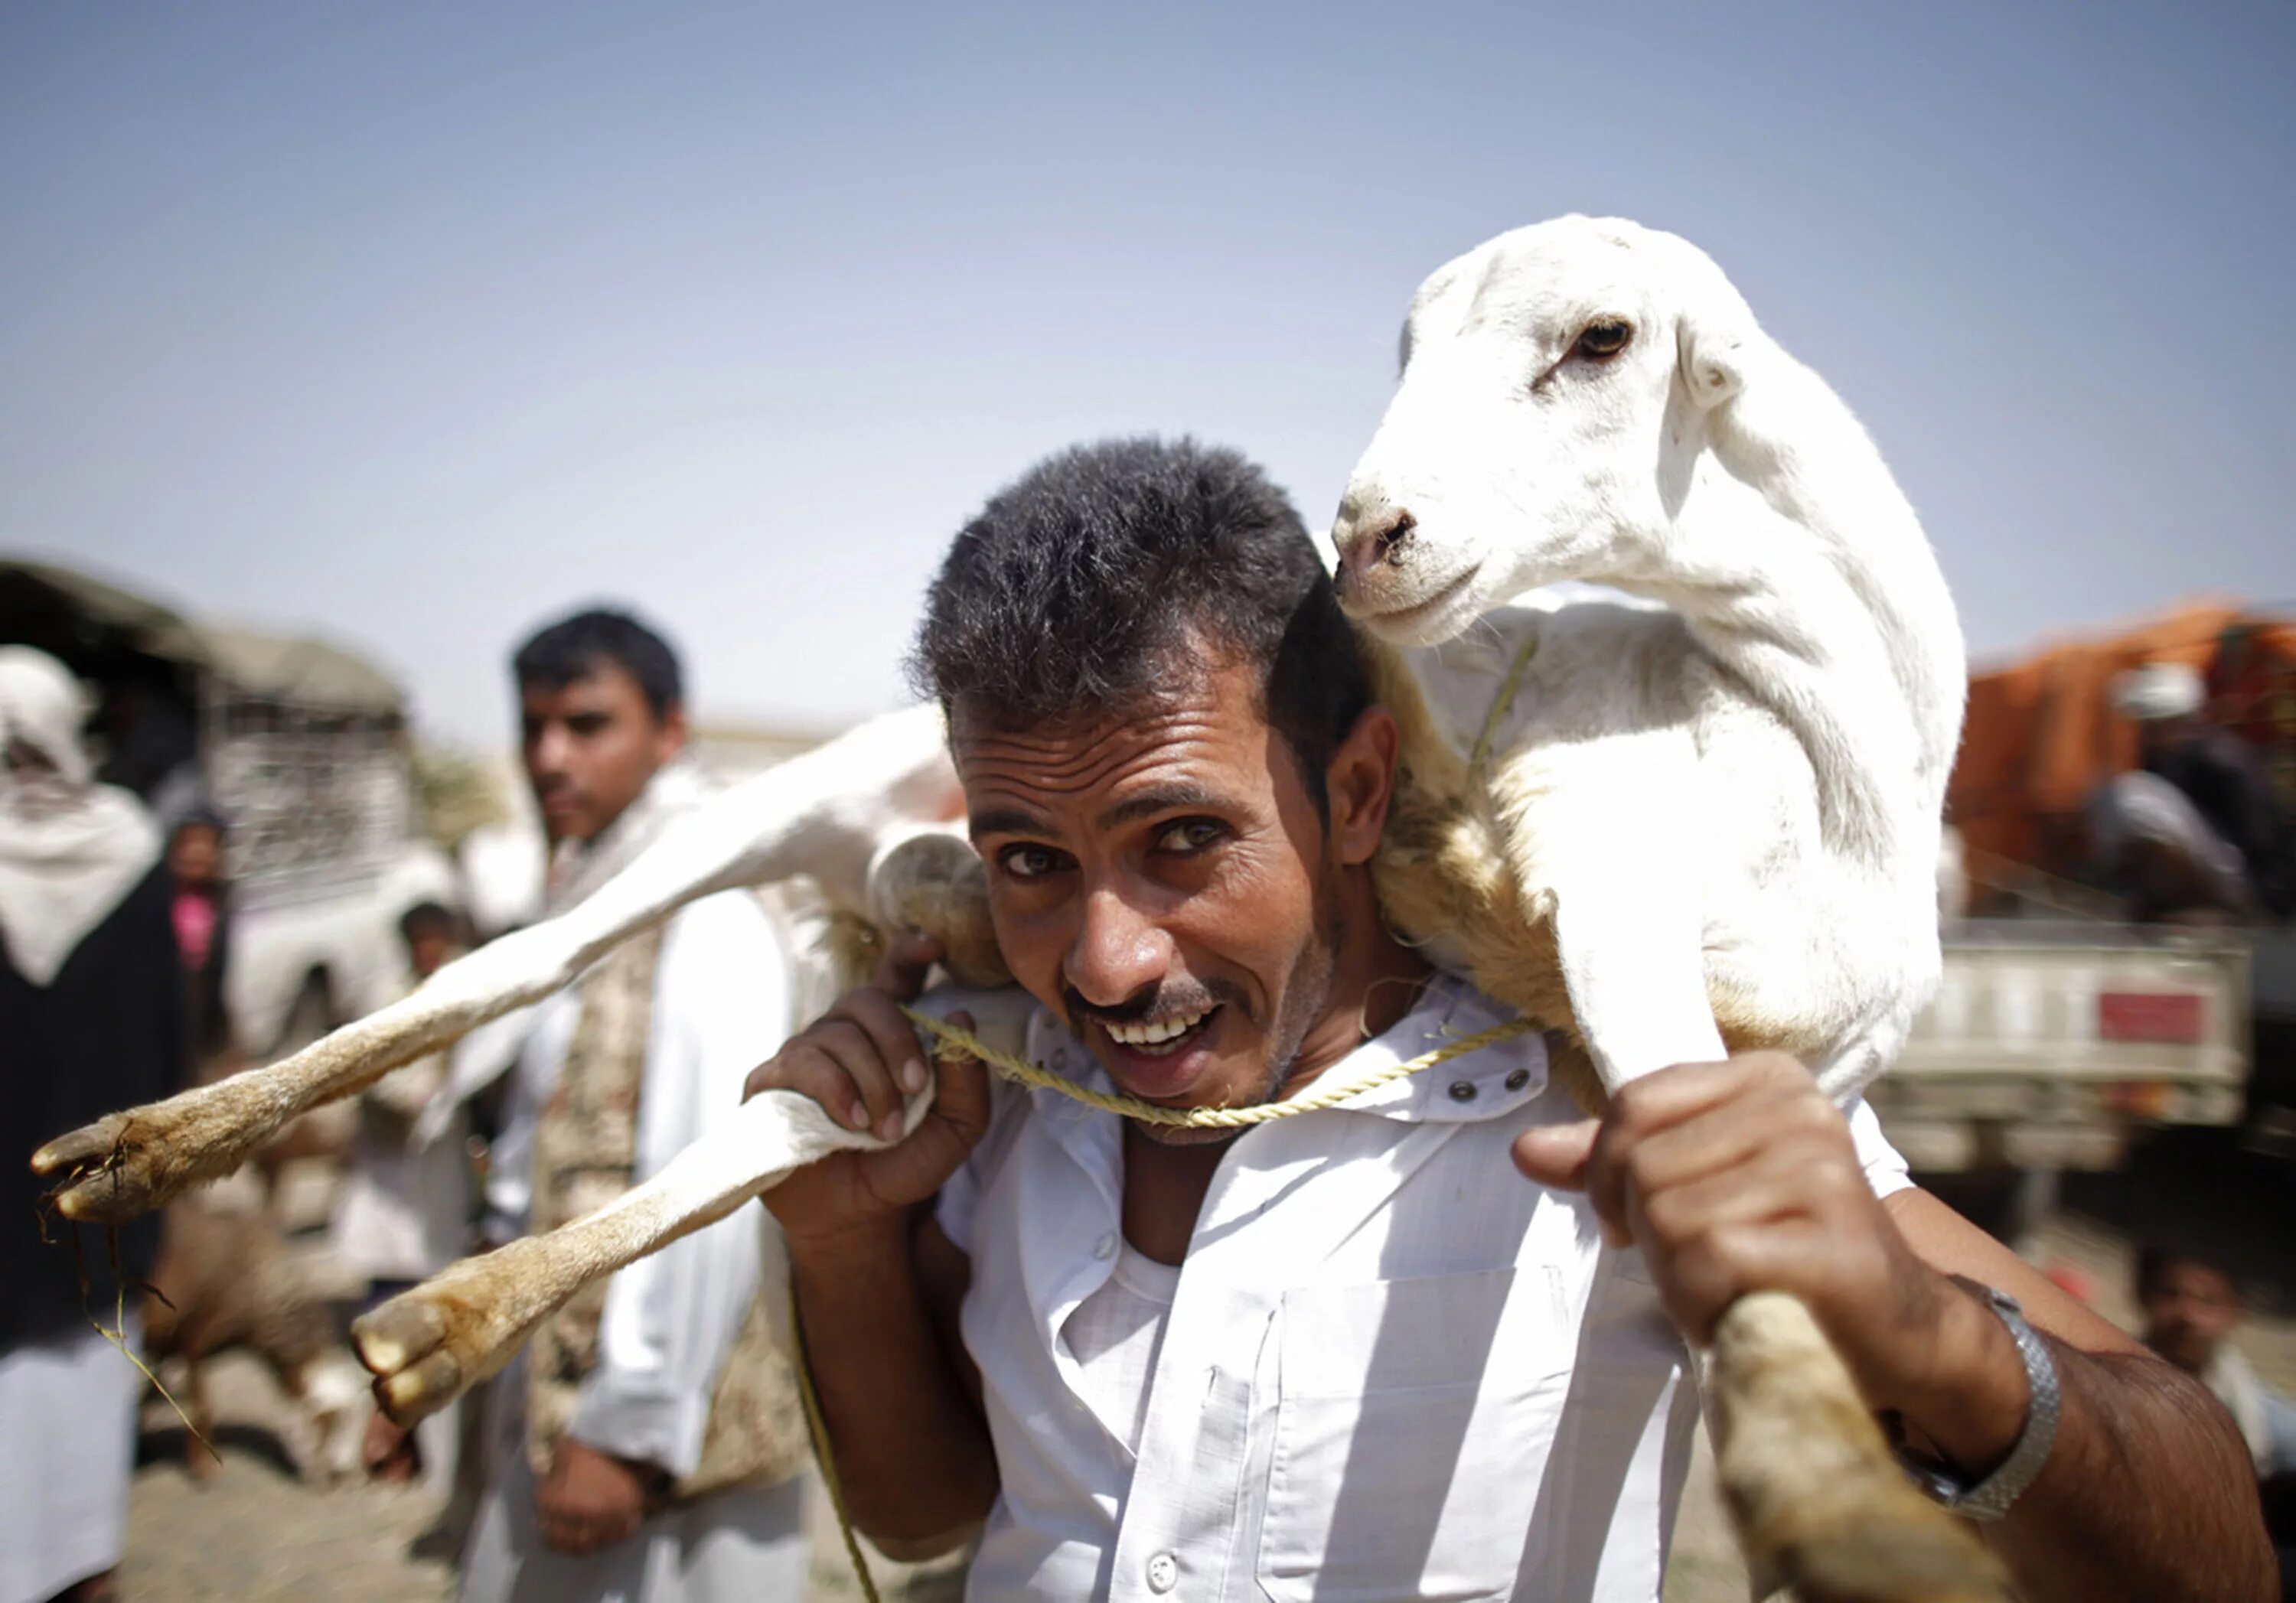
[(1481, 1084)]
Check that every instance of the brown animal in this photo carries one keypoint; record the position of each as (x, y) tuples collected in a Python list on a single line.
[(226, 1281)]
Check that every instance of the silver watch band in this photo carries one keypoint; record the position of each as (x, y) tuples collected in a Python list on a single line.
[(1991, 1497)]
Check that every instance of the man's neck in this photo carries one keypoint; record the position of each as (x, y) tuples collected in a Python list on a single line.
[(1375, 983)]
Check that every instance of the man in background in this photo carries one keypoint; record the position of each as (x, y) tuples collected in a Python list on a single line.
[(645, 1445), (2192, 1305), (2191, 831)]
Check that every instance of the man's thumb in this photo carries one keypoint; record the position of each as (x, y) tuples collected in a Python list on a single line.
[(962, 1098), (1557, 1155)]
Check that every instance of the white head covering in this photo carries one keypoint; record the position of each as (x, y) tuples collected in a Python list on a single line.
[(2157, 690), (69, 848)]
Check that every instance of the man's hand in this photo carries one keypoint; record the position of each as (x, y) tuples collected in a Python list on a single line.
[(860, 1061), (590, 1500), (1742, 1176)]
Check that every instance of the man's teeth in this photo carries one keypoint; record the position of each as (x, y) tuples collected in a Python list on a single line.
[(1157, 1034)]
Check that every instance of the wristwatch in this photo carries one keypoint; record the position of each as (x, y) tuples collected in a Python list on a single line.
[(1991, 1497)]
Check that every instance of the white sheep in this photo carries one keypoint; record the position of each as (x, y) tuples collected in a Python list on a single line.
[(1726, 810)]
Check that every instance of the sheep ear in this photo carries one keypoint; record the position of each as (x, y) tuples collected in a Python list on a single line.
[(1712, 369)]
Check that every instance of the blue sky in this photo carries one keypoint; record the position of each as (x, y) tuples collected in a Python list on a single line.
[(413, 324)]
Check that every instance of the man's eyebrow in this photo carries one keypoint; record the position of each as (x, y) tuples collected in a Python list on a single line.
[(1165, 798), (1004, 821)]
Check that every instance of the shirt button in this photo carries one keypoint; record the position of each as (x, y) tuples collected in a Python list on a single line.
[(1105, 1247), (1463, 1090), (1163, 1573), (1519, 1079)]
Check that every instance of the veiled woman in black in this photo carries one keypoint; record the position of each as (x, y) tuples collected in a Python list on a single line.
[(91, 1020)]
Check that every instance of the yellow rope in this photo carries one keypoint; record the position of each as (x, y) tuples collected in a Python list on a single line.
[(818, 1428), (1501, 705), (1220, 1119)]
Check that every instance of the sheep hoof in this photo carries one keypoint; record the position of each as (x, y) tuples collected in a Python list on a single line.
[(934, 881), (114, 1170), (424, 1347)]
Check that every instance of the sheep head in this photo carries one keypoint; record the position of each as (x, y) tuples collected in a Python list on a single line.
[(1555, 395)]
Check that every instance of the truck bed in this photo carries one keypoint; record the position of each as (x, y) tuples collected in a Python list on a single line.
[(2048, 1043)]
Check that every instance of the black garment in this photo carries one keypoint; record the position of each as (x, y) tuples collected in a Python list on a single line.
[(2219, 773), (107, 1033), (207, 1016)]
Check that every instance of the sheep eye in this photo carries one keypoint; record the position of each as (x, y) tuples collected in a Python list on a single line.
[(1600, 341)]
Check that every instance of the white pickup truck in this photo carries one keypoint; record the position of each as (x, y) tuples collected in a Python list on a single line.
[(2049, 1043)]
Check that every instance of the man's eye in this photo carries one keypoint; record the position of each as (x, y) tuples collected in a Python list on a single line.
[(1191, 835), (1029, 861)]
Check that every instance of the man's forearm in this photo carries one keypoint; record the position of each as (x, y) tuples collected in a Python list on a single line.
[(2149, 1494), (912, 1450)]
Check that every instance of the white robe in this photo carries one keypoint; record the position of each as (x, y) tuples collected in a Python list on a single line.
[(720, 1009), (67, 1450)]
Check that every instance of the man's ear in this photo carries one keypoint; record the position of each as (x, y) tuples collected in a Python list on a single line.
[(671, 733), (1359, 785)]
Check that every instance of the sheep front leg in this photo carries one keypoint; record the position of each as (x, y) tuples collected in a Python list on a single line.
[(1820, 1504)]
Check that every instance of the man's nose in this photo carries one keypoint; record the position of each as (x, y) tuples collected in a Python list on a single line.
[(1117, 951), (547, 751)]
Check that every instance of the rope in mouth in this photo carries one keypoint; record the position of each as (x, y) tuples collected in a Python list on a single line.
[(1311, 1100)]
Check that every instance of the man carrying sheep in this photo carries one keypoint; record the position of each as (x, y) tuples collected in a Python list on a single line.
[(1351, 1352)]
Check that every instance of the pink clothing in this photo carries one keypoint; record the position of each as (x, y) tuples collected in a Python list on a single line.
[(195, 924)]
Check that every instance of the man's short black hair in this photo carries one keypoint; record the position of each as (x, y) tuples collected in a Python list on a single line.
[(425, 915), (1072, 591), (2155, 1258), (572, 648)]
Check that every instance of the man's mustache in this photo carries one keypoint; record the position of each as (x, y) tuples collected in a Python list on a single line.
[(1154, 1001)]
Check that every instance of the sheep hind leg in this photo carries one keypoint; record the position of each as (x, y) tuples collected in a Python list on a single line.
[(427, 1346), (820, 813), (127, 1164)]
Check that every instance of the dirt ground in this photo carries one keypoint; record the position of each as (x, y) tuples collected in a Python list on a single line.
[(254, 1535)]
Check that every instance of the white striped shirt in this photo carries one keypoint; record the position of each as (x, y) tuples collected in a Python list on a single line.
[(1390, 1368)]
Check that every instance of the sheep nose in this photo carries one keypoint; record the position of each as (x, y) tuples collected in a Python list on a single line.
[(1373, 540)]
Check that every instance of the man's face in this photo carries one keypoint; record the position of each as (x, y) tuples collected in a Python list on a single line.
[(1163, 881), (590, 744), (428, 948), (2189, 1310), (196, 855)]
